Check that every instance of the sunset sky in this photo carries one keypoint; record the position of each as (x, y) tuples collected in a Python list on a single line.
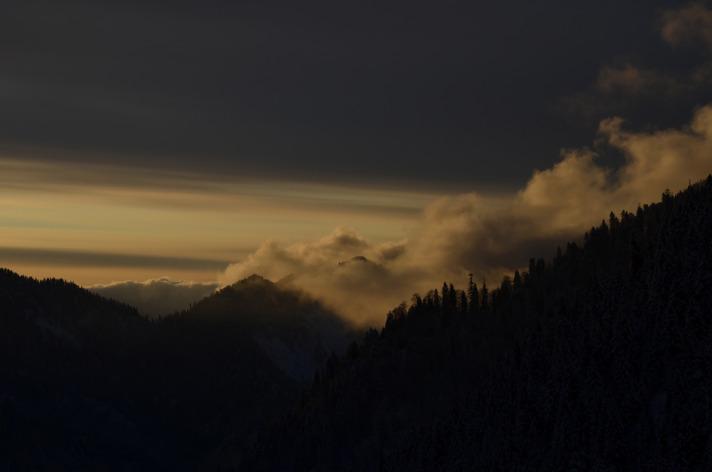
[(102, 222), (207, 140)]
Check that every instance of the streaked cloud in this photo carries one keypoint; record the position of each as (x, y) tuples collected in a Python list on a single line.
[(72, 214), (140, 186), (61, 257)]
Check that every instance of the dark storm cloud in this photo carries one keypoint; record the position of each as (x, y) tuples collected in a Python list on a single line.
[(655, 90), (690, 24), (457, 92)]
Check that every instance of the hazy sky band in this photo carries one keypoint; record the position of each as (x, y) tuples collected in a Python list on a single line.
[(59, 257), (200, 189), (75, 216)]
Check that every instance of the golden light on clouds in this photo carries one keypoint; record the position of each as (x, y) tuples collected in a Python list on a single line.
[(490, 235), (98, 224), (130, 223)]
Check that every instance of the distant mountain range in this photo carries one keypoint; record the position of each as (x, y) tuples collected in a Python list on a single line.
[(158, 297)]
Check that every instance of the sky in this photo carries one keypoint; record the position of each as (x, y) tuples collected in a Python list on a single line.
[(196, 143)]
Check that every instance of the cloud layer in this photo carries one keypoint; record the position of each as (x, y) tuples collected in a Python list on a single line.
[(490, 235), (157, 297)]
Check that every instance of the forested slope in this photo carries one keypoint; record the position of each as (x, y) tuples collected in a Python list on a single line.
[(598, 359), (88, 384)]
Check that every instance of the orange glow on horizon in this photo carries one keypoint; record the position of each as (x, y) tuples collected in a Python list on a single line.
[(100, 209)]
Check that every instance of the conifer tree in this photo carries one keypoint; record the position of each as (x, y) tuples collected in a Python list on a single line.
[(517, 282), (446, 297), (473, 295), (463, 308)]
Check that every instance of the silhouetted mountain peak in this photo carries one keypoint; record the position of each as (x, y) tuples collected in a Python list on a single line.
[(254, 279), (256, 299), (250, 284), (356, 260)]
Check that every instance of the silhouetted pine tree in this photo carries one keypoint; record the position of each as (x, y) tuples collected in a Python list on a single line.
[(473, 296)]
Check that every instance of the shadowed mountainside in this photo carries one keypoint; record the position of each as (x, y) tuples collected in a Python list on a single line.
[(87, 382), (295, 331), (599, 359), (70, 371)]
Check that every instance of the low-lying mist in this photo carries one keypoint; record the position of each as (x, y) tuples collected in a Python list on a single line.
[(157, 297), (486, 235)]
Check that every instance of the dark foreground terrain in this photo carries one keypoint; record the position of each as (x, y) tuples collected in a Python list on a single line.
[(88, 384), (598, 359)]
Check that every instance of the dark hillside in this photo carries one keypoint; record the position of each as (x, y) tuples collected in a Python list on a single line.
[(70, 379), (239, 359), (599, 359), (86, 383)]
